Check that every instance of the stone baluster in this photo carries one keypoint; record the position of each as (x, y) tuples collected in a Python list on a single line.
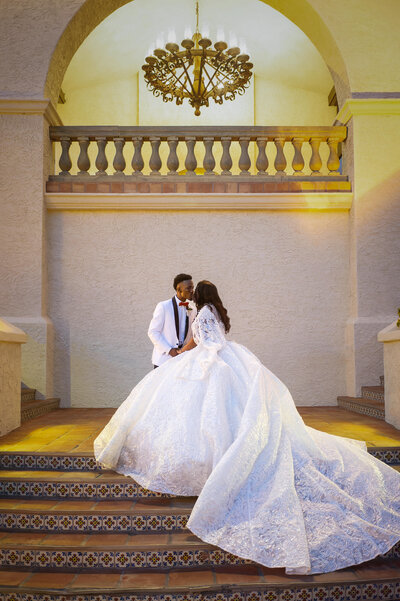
[(262, 159), (83, 158), (315, 160), (101, 159), (226, 159), (244, 159), (173, 160), (191, 161), (119, 160), (155, 159), (298, 159), (280, 159), (209, 160), (333, 159), (137, 159), (65, 162)]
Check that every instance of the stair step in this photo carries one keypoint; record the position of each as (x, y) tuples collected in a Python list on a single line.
[(72, 485), (373, 393), (360, 405), (28, 394), (85, 462), (82, 516), (373, 580), (108, 552), (382, 380), (111, 552), (30, 409)]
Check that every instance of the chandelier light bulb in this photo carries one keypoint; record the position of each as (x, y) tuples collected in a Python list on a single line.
[(171, 35), (220, 34), (232, 40), (160, 41), (243, 46), (205, 30)]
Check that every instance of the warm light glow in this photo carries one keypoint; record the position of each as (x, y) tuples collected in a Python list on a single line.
[(171, 35)]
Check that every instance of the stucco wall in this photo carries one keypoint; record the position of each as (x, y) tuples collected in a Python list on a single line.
[(283, 276)]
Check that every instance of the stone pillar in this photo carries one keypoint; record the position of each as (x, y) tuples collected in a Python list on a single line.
[(390, 337), (25, 162), (372, 159), (11, 339)]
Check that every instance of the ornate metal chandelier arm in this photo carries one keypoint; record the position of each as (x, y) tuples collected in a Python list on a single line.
[(174, 78), (216, 73), (178, 79), (206, 93), (188, 77)]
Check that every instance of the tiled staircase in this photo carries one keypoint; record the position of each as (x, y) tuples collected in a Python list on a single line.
[(371, 402), (32, 407), (72, 532)]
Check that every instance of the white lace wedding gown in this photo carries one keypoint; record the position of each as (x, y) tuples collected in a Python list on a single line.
[(216, 423)]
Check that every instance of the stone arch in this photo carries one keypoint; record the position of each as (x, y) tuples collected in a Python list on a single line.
[(93, 12)]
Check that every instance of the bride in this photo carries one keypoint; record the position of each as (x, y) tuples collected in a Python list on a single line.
[(215, 423)]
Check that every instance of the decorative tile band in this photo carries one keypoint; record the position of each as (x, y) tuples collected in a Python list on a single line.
[(371, 591), (28, 413), (96, 491), (363, 409), (120, 559), (389, 455), (87, 463), (33, 461), (373, 396), (92, 522)]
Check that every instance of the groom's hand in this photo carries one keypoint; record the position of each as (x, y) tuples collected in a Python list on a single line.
[(173, 352)]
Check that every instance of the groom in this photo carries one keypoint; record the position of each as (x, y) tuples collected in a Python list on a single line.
[(172, 321)]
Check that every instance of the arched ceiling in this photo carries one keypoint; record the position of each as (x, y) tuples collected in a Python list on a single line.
[(279, 50)]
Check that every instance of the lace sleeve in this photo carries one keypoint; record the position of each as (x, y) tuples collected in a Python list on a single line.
[(208, 329)]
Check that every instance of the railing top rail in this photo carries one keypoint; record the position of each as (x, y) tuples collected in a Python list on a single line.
[(234, 133)]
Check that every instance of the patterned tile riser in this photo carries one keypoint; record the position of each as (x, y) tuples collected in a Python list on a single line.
[(79, 463), (33, 412), (346, 592), (111, 561), (373, 396), (115, 560), (101, 491), (68, 463), (363, 409), (81, 523)]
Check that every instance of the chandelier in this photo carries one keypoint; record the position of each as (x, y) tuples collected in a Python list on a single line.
[(197, 72)]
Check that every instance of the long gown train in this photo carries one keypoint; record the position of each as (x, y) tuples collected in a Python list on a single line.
[(217, 424)]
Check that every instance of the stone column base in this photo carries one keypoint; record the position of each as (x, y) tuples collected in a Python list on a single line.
[(37, 354), (364, 356)]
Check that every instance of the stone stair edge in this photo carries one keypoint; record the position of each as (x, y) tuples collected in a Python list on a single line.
[(360, 400), (28, 404), (342, 591), (224, 591)]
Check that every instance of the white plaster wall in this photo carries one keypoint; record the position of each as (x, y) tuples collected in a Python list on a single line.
[(282, 275), (376, 240), (22, 286)]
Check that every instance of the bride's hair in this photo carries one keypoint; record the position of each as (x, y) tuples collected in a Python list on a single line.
[(206, 293)]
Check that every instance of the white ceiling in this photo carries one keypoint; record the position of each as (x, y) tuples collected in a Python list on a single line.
[(279, 50)]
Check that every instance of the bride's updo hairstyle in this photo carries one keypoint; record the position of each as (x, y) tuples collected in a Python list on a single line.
[(206, 293)]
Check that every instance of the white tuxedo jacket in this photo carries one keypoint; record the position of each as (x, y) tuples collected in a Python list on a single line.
[(162, 330)]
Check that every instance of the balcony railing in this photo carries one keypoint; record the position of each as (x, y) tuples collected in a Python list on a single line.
[(277, 153)]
